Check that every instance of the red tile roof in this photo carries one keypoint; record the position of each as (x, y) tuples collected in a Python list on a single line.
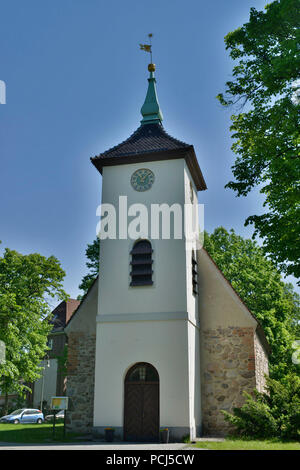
[(62, 313)]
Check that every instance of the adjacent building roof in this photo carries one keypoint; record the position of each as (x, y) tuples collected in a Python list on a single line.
[(62, 314)]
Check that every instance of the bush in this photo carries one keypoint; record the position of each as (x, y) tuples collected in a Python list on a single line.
[(275, 413), (254, 419), (285, 403)]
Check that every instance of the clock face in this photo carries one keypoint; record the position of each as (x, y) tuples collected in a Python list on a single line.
[(142, 179)]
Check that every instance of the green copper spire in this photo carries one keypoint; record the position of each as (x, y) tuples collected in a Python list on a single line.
[(150, 110)]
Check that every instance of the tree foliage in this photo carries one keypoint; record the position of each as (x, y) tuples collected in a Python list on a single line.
[(92, 253), (266, 85), (62, 362), (27, 284), (258, 282)]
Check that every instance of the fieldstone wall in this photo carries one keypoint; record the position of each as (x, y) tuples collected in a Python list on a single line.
[(228, 369), (261, 364), (80, 384)]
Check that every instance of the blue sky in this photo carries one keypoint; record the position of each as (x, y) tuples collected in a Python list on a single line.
[(76, 81)]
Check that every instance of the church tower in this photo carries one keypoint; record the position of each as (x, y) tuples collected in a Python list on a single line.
[(161, 339), (147, 360)]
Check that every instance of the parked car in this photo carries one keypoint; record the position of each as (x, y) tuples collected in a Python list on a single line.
[(24, 415), (59, 415)]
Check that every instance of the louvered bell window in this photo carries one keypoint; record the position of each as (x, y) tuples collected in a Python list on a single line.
[(194, 274), (141, 264)]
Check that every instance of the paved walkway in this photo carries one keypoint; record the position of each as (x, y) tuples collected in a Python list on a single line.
[(96, 446)]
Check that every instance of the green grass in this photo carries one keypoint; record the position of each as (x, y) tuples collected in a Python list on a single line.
[(42, 434), (34, 433), (247, 444)]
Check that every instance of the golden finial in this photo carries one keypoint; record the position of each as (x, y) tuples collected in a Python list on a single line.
[(151, 67)]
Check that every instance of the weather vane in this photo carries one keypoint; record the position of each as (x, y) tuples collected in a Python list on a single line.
[(147, 47)]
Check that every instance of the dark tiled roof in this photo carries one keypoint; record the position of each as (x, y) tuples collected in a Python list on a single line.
[(146, 139), (150, 142), (62, 313)]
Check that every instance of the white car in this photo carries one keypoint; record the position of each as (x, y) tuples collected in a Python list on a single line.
[(59, 415)]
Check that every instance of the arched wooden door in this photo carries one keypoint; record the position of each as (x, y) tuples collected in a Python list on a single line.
[(141, 403)]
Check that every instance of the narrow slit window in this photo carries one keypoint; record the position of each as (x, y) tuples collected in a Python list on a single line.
[(194, 274), (141, 264)]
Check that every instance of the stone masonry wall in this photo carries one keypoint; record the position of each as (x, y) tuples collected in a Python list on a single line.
[(261, 364), (228, 369), (80, 384)]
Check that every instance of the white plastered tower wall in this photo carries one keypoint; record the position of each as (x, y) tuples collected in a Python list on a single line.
[(155, 324), (192, 243)]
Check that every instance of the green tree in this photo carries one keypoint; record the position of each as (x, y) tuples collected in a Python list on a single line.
[(258, 282), (27, 285), (273, 413), (295, 309), (62, 361), (92, 253), (265, 129)]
